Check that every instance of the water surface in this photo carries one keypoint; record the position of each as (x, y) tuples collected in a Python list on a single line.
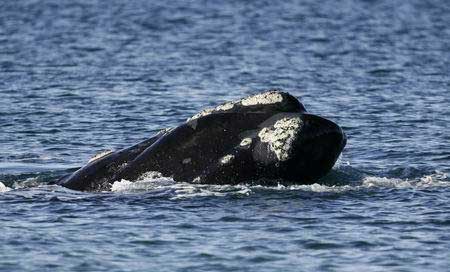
[(80, 77)]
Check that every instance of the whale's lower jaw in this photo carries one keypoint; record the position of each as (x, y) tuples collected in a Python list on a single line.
[(268, 137)]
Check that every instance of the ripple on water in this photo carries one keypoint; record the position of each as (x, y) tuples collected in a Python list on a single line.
[(80, 77)]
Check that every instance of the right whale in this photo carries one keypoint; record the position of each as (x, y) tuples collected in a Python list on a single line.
[(267, 138)]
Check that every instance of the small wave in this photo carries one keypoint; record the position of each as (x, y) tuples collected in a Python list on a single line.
[(150, 181), (178, 190), (20, 184), (437, 179), (32, 179), (27, 183), (154, 181), (187, 190), (341, 179)]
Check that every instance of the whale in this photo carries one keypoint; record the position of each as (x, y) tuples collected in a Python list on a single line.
[(268, 138)]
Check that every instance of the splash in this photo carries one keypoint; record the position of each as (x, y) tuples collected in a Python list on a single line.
[(437, 179), (3, 188), (343, 178), (157, 183)]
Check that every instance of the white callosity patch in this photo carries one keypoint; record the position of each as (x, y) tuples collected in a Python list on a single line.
[(226, 159), (246, 142), (263, 99), (270, 97), (226, 106), (164, 131), (223, 107), (100, 155), (201, 114), (282, 136)]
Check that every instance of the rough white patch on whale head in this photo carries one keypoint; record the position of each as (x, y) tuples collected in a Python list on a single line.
[(262, 99), (223, 107), (282, 136), (201, 114), (187, 160), (226, 159), (270, 97), (246, 142), (165, 130), (100, 155), (226, 106)]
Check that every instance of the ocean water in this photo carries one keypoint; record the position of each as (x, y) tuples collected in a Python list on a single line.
[(80, 77)]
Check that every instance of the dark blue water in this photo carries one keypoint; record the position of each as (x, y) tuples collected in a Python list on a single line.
[(80, 77)]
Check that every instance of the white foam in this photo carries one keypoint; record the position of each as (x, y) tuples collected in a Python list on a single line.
[(188, 190), (3, 188), (152, 182), (143, 183), (339, 162), (155, 182), (438, 179), (137, 186), (148, 182), (27, 183)]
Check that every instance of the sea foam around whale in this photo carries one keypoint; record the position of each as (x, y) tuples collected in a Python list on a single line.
[(186, 190)]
